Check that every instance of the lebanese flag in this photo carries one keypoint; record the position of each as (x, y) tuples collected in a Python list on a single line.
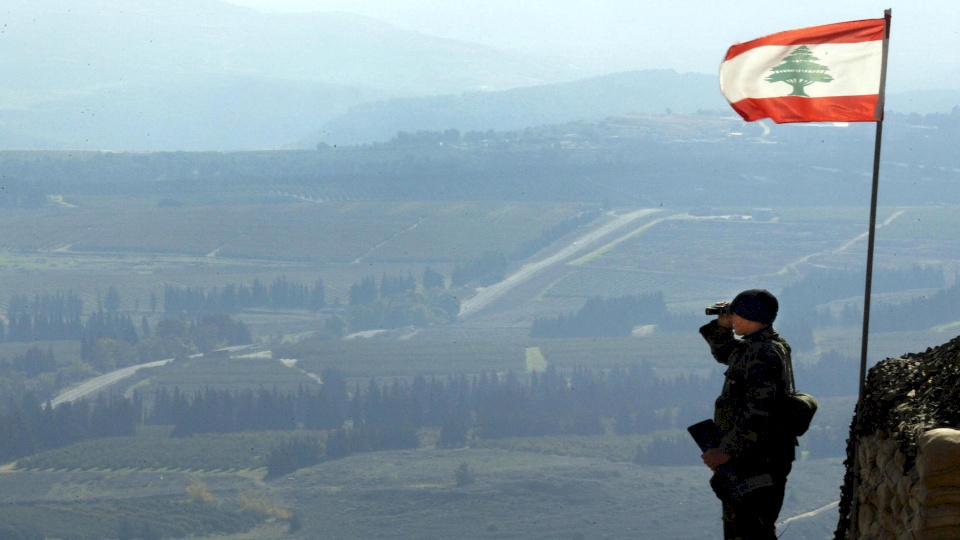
[(830, 73)]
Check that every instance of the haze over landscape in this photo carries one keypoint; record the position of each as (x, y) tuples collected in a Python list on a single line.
[(117, 75), (413, 268)]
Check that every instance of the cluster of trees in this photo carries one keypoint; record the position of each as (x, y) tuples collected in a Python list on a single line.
[(396, 302), (914, 314), (31, 363), (368, 291), (224, 411), (605, 317), (822, 285), (32, 426), (46, 317), (300, 452), (108, 338), (280, 294), (112, 342)]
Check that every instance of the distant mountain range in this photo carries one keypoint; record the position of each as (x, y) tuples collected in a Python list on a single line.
[(596, 98), (652, 92), (207, 75)]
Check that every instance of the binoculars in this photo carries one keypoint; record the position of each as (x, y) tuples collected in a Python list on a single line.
[(720, 308)]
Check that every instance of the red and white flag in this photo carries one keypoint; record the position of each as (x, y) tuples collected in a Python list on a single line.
[(830, 73)]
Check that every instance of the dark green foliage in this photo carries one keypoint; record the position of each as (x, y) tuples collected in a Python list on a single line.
[(31, 363), (390, 286), (223, 411), (408, 308), (233, 298), (112, 342), (46, 317), (364, 293), (216, 330), (294, 453), (387, 416), (395, 302), (822, 285), (432, 279), (917, 313), (604, 317), (32, 427), (453, 432), (339, 444)]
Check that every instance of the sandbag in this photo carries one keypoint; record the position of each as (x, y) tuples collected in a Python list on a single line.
[(938, 461)]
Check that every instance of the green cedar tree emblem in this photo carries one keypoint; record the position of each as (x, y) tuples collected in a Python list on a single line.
[(800, 69)]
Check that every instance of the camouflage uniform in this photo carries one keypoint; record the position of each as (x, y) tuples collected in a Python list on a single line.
[(747, 414)]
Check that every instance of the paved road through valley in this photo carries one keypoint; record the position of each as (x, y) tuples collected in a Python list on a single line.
[(488, 295), (98, 383)]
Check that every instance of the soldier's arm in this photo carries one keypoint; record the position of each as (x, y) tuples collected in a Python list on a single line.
[(720, 339)]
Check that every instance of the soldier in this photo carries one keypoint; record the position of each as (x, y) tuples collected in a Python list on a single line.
[(754, 445)]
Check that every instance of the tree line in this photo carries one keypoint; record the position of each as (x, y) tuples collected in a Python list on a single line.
[(32, 426), (234, 298), (604, 317), (386, 415)]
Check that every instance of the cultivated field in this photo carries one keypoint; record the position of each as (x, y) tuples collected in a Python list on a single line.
[(550, 487)]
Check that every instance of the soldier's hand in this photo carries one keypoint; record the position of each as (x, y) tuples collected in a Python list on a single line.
[(714, 458), (725, 320)]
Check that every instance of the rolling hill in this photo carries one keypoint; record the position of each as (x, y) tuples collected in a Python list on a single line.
[(205, 74)]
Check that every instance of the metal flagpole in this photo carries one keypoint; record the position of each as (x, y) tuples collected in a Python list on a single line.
[(869, 277), (873, 208)]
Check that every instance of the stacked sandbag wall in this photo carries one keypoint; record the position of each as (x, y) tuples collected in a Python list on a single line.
[(903, 474)]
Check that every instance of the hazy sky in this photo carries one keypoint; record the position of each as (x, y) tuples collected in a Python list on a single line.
[(687, 35)]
